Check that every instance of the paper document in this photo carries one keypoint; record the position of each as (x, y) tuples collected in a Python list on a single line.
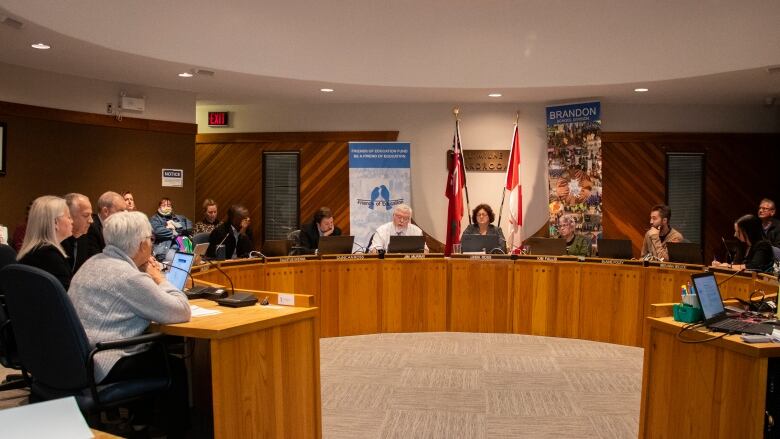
[(58, 418), (200, 312)]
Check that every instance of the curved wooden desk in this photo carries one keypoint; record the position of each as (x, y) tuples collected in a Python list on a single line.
[(591, 299)]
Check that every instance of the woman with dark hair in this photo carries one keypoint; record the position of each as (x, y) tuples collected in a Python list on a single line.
[(482, 218), (758, 255), (321, 225)]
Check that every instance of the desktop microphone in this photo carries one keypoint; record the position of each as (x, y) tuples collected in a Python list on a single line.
[(234, 300), (221, 246), (198, 291), (729, 256), (730, 277)]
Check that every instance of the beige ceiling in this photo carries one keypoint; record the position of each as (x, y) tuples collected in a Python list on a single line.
[(706, 51)]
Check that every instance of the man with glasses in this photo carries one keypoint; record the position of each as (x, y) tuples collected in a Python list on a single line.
[(401, 225), (769, 224)]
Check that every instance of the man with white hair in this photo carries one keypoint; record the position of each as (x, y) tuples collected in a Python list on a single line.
[(76, 244), (117, 294), (108, 204), (401, 225)]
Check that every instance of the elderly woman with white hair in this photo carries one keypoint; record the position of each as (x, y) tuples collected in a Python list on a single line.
[(576, 244), (48, 224), (117, 294)]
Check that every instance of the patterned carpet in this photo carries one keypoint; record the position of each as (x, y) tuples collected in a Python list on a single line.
[(466, 385)]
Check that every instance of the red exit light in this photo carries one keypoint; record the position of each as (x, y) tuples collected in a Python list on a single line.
[(218, 118)]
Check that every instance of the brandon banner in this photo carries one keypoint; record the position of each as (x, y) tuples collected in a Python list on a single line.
[(574, 164), (379, 178)]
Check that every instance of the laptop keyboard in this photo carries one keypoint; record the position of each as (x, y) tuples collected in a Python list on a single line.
[(733, 325)]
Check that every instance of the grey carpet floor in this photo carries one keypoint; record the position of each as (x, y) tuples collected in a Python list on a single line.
[(466, 385)]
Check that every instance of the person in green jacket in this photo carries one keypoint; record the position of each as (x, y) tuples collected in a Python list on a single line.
[(576, 244)]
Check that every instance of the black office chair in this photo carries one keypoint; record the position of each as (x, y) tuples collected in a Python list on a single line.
[(9, 357), (201, 238), (54, 348), (7, 255), (295, 238)]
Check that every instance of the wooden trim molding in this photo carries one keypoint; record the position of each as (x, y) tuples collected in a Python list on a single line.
[(78, 117), (620, 137), (310, 136)]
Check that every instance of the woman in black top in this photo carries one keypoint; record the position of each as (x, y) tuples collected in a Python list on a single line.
[(759, 255), (48, 224)]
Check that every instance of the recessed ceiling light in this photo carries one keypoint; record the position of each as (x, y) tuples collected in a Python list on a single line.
[(41, 46), (495, 95), (640, 90), (185, 75), (326, 90)]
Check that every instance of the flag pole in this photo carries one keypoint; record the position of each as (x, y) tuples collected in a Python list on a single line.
[(456, 112), (503, 192)]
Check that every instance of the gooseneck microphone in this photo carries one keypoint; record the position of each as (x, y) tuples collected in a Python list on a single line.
[(232, 289), (730, 277), (729, 256)]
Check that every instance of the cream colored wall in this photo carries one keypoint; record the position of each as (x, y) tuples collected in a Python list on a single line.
[(429, 128)]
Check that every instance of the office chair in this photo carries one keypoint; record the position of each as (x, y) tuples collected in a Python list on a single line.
[(295, 237), (7, 255), (201, 238), (57, 354), (9, 357)]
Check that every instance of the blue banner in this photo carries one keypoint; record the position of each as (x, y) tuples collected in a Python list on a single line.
[(573, 113), (379, 178)]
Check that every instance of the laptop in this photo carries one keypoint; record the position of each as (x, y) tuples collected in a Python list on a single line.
[(546, 246), (715, 318), (335, 245), (179, 269), (277, 247), (200, 249), (686, 252), (406, 244), (479, 243), (614, 248)]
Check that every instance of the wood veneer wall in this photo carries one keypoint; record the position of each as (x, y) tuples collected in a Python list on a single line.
[(740, 170), (228, 169), (51, 151)]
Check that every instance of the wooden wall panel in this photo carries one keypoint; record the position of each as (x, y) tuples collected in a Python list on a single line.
[(739, 172), (229, 170)]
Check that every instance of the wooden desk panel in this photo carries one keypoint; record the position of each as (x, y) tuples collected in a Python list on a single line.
[(413, 299), (350, 297), (546, 298), (611, 304), (248, 277), (481, 295)]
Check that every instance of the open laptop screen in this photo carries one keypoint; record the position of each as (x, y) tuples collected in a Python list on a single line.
[(180, 267), (709, 294)]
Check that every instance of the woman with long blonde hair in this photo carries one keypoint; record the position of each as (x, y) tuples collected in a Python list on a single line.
[(48, 224)]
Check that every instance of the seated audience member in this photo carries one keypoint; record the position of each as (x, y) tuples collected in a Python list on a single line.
[(48, 224), (129, 200), (20, 230), (167, 226), (400, 226), (321, 225), (482, 218), (576, 244), (209, 221), (759, 255), (108, 204), (660, 233), (116, 295), (770, 226), (76, 244), (232, 234)]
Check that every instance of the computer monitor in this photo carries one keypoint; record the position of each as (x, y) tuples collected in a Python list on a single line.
[(480, 243), (406, 244), (685, 252), (614, 248), (179, 269), (335, 245), (707, 290), (277, 247), (546, 246)]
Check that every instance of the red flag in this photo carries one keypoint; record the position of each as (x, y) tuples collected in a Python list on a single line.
[(515, 194), (454, 192)]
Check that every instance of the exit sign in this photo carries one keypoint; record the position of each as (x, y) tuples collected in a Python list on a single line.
[(218, 119)]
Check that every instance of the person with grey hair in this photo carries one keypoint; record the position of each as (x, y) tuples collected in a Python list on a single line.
[(117, 294), (576, 244), (401, 225), (108, 204), (48, 224), (76, 244)]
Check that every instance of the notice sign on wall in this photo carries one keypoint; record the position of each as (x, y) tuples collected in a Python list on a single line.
[(173, 177)]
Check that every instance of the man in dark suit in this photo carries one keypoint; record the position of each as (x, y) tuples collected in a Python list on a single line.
[(322, 225), (108, 204), (76, 245), (769, 224), (232, 234)]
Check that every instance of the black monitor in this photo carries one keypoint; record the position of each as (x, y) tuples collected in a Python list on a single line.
[(480, 243), (685, 252), (406, 244), (546, 246), (614, 248), (277, 247), (335, 245)]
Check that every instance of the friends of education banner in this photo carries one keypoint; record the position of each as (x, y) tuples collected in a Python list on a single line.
[(574, 164), (379, 179)]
